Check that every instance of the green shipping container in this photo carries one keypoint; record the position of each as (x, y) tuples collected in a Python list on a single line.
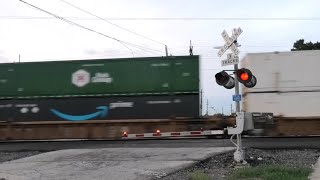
[(101, 77)]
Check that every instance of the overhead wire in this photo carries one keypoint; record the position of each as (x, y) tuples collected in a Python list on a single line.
[(86, 28), (223, 18), (141, 47), (103, 19), (179, 18)]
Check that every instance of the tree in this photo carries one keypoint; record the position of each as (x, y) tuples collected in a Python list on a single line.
[(299, 45)]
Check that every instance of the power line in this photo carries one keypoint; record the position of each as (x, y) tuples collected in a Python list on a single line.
[(86, 28), (103, 19), (141, 47), (178, 18), (222, 18)]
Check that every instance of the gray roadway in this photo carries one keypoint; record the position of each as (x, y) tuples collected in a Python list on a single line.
[(127, 160), (264, 143), (106, 163)]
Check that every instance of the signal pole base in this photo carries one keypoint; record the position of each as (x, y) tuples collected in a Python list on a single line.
[(239, 156)]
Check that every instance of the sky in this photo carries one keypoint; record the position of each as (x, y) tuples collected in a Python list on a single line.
[(267, 26)]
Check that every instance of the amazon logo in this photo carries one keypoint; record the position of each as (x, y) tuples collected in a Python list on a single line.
[(102, 111)]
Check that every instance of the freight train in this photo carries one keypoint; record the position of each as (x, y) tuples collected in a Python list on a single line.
[(103, 89), (98, 99), (104, 98), (288, 83), (288, 86)]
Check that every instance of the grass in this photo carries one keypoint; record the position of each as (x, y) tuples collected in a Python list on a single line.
[(199, 175), (271, 172)]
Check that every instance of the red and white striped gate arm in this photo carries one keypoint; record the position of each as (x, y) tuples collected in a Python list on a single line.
[(173, 134)]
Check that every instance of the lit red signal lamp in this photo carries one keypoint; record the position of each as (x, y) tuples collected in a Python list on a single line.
[(246, 77), (243, 75)]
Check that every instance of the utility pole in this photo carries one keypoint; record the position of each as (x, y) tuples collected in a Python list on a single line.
[(201, 102), (207, 107), (166, 48), (191, 49), (213, 110), (19, 58)]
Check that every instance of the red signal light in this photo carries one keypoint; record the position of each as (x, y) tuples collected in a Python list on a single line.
[(125, 134), (244, 76)]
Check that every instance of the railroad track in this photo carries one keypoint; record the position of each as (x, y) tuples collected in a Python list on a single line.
[(114, 129)]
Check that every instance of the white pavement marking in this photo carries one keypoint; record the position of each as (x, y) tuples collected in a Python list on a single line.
[(111, 163), (316, 171)]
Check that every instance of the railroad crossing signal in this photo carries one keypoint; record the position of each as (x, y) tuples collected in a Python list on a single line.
[(243, 75), (230, 42), (224, 79), (231, 59), (246, 77)]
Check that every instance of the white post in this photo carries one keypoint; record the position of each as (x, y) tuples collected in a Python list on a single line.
[(239, 154)]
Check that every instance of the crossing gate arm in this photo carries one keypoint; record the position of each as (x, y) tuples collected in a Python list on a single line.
[(173, 134)]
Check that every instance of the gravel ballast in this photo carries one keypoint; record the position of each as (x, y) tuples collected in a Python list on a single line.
[(221, 166), (9, 156)]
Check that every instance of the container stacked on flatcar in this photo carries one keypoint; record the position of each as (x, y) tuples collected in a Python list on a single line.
[(103, 89), (288, 84)]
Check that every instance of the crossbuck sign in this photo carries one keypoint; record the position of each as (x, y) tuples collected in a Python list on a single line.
[(232, 58)]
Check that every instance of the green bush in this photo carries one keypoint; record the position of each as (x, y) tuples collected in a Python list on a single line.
[(271, 172), (199, 175)]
